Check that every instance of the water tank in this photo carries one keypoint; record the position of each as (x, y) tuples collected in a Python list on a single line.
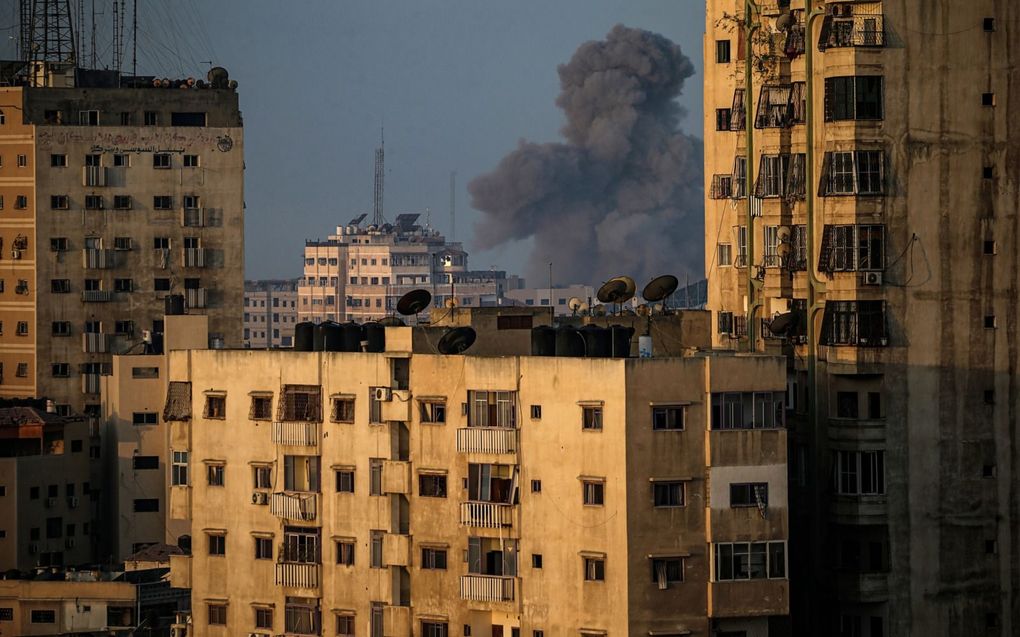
[(351, 337), (621, 340), (332, 336), (598, 341), (304, 336), (174, 304), (543, 340), (644, 346), (569, 341), (375, 334)]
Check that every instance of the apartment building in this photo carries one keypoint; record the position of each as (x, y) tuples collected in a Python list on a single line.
[(556, 298), (896, 215), (359, 273), (67, 606), (114, 194), (270, 314), (49, 483), (404, 492)]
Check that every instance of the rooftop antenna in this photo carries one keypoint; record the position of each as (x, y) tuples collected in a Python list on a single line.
[(659, 289), (453, 205), (118, 34), (47, 32), (380, 167), (134, 39), (617, 290)]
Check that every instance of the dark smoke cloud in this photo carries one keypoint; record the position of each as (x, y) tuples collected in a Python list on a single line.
[(623, 194)]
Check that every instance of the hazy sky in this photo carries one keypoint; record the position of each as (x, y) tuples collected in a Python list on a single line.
[(457, 83)]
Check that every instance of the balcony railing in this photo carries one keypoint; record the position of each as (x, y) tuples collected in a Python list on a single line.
[(486, 515), (193, 257), (98, 258), (293, 506), (96, 296), (297, 574), (486, 440), (95, 342), (487, 588), (195, 297), (90, 383), (299, 434)]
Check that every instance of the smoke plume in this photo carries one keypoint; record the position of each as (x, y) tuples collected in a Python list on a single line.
[(623, 193)]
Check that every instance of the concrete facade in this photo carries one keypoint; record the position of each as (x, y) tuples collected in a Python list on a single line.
[(66, 607), (112, 199), (472, 496), (270, 314), (903, 452)]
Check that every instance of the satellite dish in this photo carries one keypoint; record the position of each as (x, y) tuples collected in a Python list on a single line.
[(660, 287), (457, 340), (783, 323), (599, 310), (643, 310), (784, 22), (390, 321), (451, 303), (414, 302), (574, 304), (583, 308), (617, 290)]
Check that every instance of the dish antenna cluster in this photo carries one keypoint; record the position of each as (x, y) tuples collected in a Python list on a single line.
[(620, 289)]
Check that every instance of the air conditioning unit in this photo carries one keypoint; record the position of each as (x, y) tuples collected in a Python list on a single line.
[(383, 394), (15, 254), (872, 278), (72, 501), (51, 502), (259, 497), (69, 543)]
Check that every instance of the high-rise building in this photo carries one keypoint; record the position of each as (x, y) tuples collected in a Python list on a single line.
[(115, 192), (896, 211), (360, 273), (270, 314), (402, 492)]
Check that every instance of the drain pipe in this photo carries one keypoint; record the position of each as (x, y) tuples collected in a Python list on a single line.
[(751, 25)]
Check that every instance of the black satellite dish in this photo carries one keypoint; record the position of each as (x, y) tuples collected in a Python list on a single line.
[(660, 287), (457, 340), (390, 321), (783, 324), (616, 290), (414, 302)]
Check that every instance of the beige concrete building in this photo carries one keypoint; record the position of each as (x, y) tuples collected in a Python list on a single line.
[(111, 198), (556, 298), (48, 487), (270, 314), (409, 493), (903, 450), (66, 607), (359, 273)]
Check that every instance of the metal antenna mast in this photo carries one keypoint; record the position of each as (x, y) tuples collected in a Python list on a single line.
[(380, 168), (134, 39), (453, 205), (47, 31), (25, 31), (117, 22)]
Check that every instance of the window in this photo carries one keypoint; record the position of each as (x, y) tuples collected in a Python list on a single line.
[(859, 472), (22, 370), (433, 558), (217, 543), (145, 418), (725, 254), (591, 418), (853, 98), (750, 560), (21, 202), (668, 417), (859, 323), (749, 494), (433, 411), (123, 285), (668, 494), (22, 161), (191, 161), (748, 410), (261, 407), (847, 404), (88, 118), (121, 160), (214, 475), (536, 412), (163, 202), (594, 569), (122, 202), (434, 629), (301, 403), (61, 370), (376, 543), (161, 285), (191, 202), (263, 548), (93, 202), (187, 119), (536, 560), (432, 485), (44, 616), (6, 613), (375, 466), (144, 463), (146, 505), (342, 409), (179, 469), (536, 486), (738, 119), (58, 161), (151, 118), (59, 202), (492, 409), (666, 571), (593, 492), (874, 405), (514, 322), (262, 476), (217, 614), (58, 244), (344, 480), (345, 625), (215, 406)]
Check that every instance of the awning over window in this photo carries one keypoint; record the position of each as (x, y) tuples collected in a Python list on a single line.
[(178, 401)]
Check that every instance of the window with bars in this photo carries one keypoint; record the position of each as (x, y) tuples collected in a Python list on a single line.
[(723, 116), (859, 323), (301, 616), (860, 172), (342, 409), (856, 27), (722, 187), (738, 183), (300, 403), (261, 407), (215, 406), (738, 114), (855, 97), (797, 256), (850, 248), (781, 106)]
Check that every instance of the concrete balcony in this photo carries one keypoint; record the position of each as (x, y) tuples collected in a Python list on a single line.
[(487, 588), (298, 574), (193, 257), (863, 587), (868, 509), (296, 434), (396, 550), (98, 259), (294, 506), (749, 598), (492, 440), (486, 515), (397, 621), (180, 503), (396, 477), (195, 298), (96, 296), (747, 447), (180, 571), (95, 343)]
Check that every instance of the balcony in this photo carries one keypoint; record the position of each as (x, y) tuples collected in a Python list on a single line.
[(396, 476), (95, 343), (98, 258), (396, 621), (193, 257), (293, 506), (195, 297), (93, 176), (486, 515), (296, 434), (749, 598), (96, 296), (90, 383), (486, 440), (487, 588), (397, 550), (297, 574)]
